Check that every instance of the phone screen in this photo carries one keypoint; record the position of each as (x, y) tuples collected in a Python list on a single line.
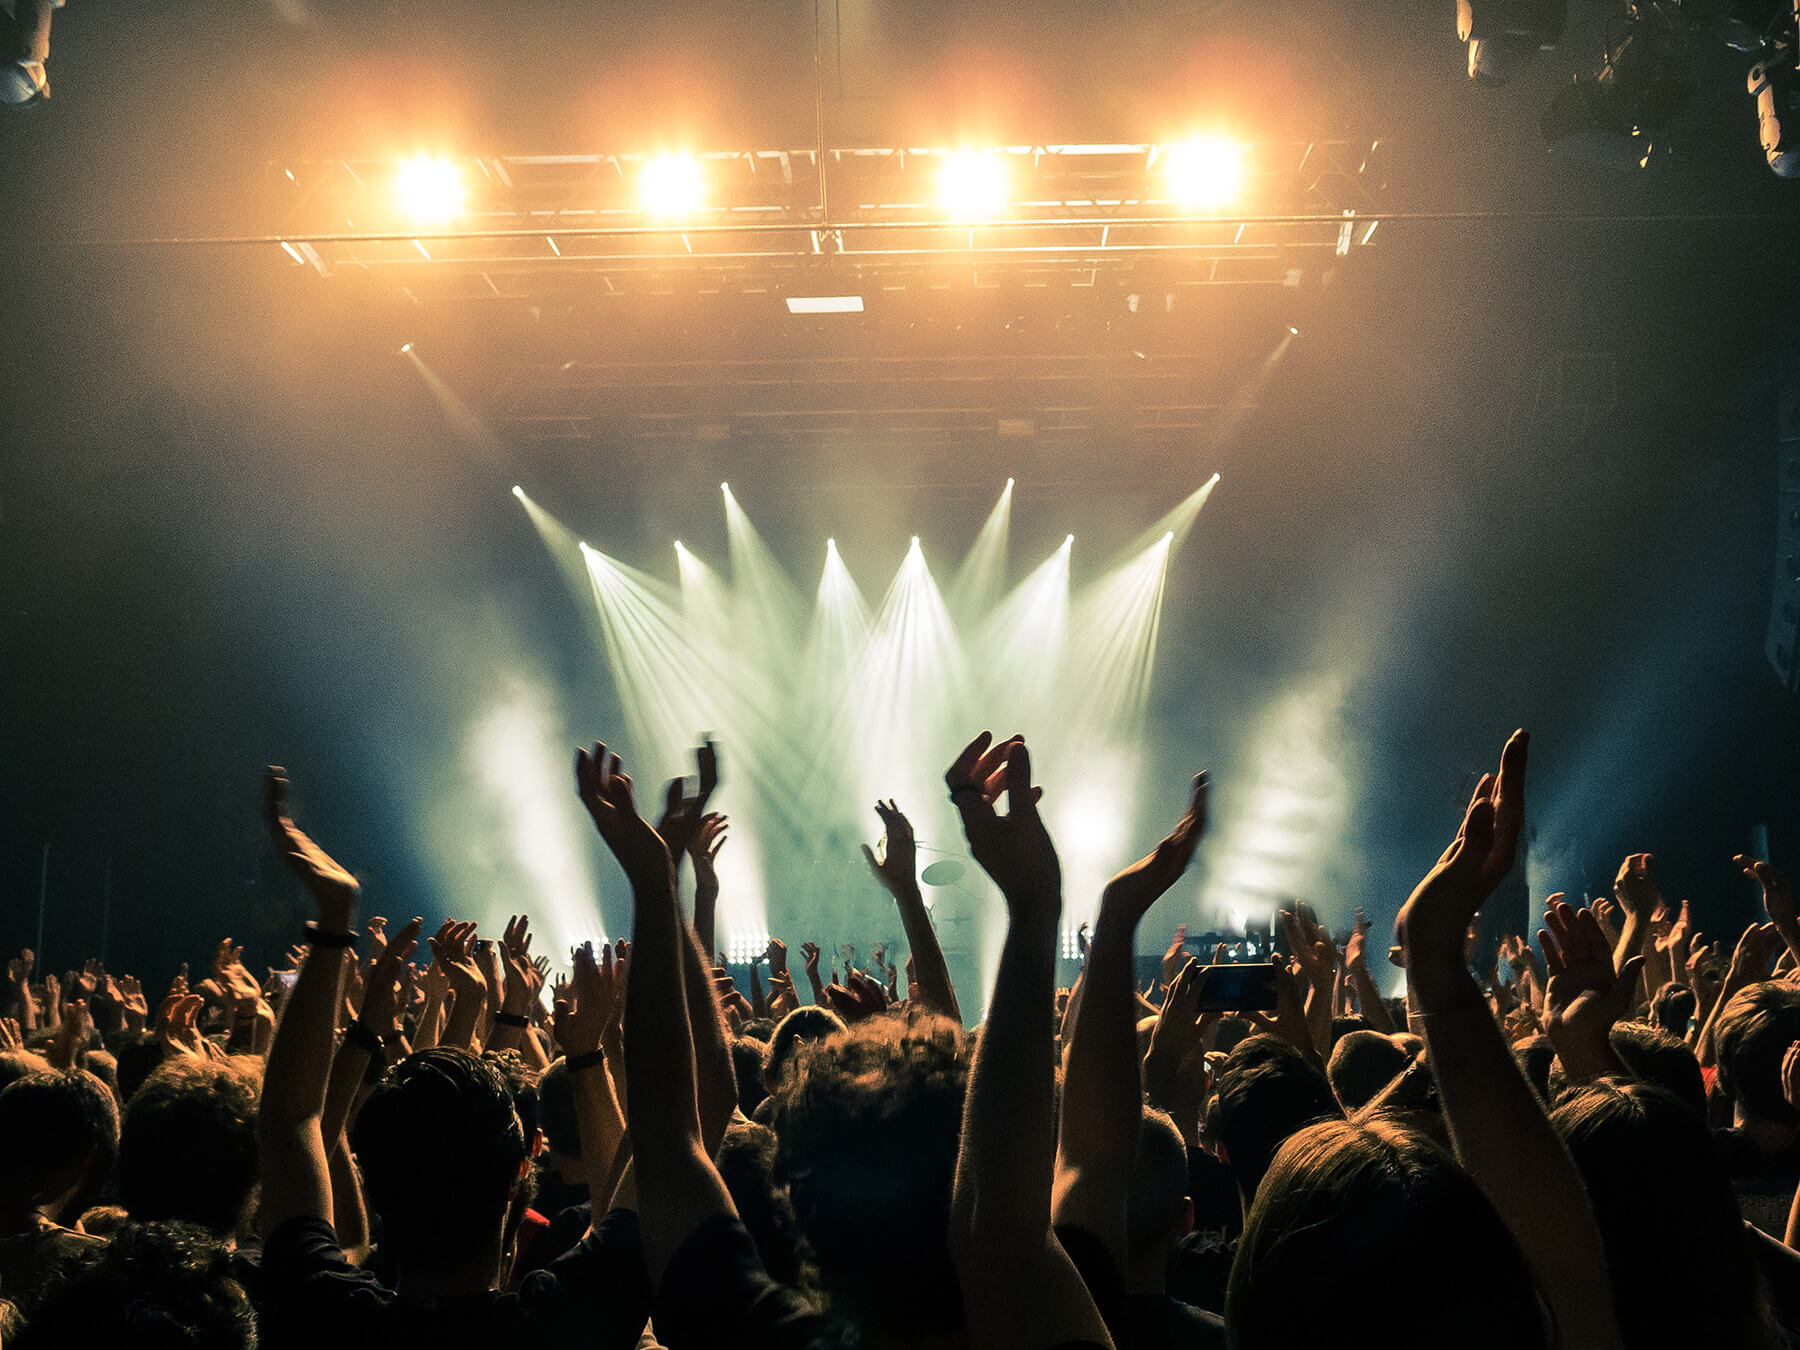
[(1238, 988)]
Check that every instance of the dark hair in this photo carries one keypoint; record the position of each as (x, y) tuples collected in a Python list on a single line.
[(1536, 1058), (138, 1054), (187, 1149), (749, 1057), (1231, 1032), (868, 1123), (1346, 1208), (17, 1064), (440, 1146), (163, 1286), (1657, 1057), (798, 1028), (556, 1110), (1683, 1272), (1266, 1091), (49, 1122), (1673, 1009), (1362, 1064), (747, 1166), (1159, 1187), (1753, 1032)]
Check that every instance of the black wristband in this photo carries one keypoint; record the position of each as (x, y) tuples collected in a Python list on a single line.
[(964, 787), (507, 1019), (362, 1038), (318, 937), (593, 1059)]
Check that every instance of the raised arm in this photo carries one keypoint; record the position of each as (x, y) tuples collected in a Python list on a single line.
[(896, 868), (678, 1186), (1499, 1130), (295, 1178), (1020, 1291), (1102, 1099)]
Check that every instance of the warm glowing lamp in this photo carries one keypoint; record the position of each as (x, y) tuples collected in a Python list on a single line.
[(672, 185), (1206, 172), (430, 190), (971, 184)]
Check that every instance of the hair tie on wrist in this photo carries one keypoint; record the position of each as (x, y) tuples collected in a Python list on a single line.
[(318, 937), (507, 1019), (593, 1059), (362, 1038)]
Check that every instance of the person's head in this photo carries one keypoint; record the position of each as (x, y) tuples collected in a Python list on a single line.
[(165, 1286), (16, 1064), (1751, 1035), (1362, 1064), (1158, 1211), (868, 1122), (747, 1166), (1266, 1091), (1345, 1210), (139, 1054), (1657, 1057), (442, 1152), (749, 1058), (800, 1027), (59, 1134), (187, 1149), (1673, 1009), (1664, 1206), (1230, 1031), (556, 1114), (1536, 1058)]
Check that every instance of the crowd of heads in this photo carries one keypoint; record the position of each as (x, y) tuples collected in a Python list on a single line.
[(1590, 1140)]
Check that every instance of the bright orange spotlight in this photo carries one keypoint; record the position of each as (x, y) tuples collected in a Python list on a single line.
[(971, 184), (672, 185), (1207, 172), (430, 190)]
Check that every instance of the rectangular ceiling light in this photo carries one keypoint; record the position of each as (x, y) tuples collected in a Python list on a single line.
[(824, 304)]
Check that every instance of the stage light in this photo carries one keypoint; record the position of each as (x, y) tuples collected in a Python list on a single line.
[(1775, 85), (672, 185), (430, 190), (1503, 34), (405, 347), (971, 184), (1614, 116), (1293, 331), (825, 304), (725, 488), (831, 546), (518, 492), (1068, 541), (1009, 482), (1208, 171)]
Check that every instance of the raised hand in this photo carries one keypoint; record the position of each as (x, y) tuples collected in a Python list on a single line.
[(1176, 957), (523, 978), (1013, 849), (11, 1038), (1777, 889), (1312, 945), (177, 1030), (332, 888), (453, 948), (1356, 950), (605, 789), (1434, 921), (776, 956), (236, 983), (591, 1002), (384, 989), (705, 845), (1636, 887), (1755, 949), (895, 864), (1584, 996), (1145, 882), (809, 953)]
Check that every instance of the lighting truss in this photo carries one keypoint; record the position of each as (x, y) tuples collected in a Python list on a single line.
[(537, 226)]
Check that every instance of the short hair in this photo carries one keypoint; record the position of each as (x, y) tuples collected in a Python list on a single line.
[(1159, 1187), (556, 1110), (868, 1123), (1752, 1034), (746, 1164), (1536, 1059), (1663, 1200), (1657, 1057), (798, 1028), (163, 1286), (138, 1054), (1362, 1064), (1345, 1208), (749, 1057), (17, 1064), (1267, 1090), (440, 1146), (1231, 1030), (187, 1149), (1673, 1009), (52, 1121)]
